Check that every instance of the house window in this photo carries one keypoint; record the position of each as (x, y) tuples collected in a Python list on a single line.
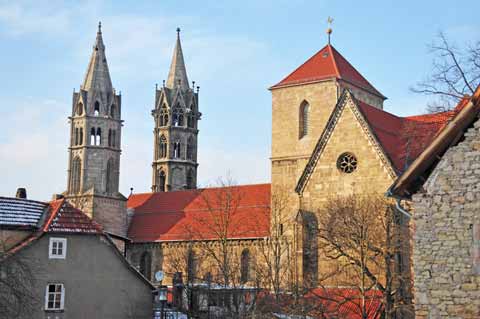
[(57, 248), (54, 297)]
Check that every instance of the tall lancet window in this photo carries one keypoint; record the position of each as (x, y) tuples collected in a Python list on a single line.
[(163, 147), (109, 182), (96, 110), (75, 175), (304, 119), (162, 178), (98, 138)]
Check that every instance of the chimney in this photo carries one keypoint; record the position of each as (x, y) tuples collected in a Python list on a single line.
[(21, 193)]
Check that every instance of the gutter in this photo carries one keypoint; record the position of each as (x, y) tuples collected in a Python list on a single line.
[(398, 204)]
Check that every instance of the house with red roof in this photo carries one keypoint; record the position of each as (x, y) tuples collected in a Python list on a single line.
[(59, 263)]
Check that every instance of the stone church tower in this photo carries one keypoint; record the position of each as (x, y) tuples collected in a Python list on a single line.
[(176, 118), (95, 137)]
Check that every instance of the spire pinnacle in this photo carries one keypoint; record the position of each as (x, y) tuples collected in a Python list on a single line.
[(98, 75), (329, 29), (177, 76)]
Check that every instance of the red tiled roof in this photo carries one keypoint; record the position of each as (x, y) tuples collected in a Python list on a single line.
[(327, 63), (404, 138), (64, 218), (346, 302), (201, 214)]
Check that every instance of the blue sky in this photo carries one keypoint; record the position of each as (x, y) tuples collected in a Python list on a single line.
[(234, 50)]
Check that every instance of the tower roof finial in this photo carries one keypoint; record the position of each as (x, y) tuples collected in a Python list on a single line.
[(329, 29), (178, 32), (99, 26)]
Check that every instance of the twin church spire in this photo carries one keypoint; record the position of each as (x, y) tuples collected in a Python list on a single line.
[(94, 159)]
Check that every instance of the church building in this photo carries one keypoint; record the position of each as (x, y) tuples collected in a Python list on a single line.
[(330, 137)]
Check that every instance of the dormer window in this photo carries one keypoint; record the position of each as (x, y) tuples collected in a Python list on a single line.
[(57, 249)]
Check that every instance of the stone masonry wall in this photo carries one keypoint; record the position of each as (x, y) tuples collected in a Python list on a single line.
[(447, 235)]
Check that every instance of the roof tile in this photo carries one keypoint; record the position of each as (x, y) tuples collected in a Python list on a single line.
[(198, 214)]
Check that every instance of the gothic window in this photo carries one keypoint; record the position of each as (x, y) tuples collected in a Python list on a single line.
[(190, 180), (347, 163), (145, 265), (190, 148), (161, 181), (76, 136), (112, 111), (191, 265), (114, 138), (80, 142), (92, 136), (109, 187), (75, 175), (245, 266), (96, 110), (79, 109), (304, 120), (180, 120), (177, 151), (191, 121), (163, 147), (98, 137), (109, 137)]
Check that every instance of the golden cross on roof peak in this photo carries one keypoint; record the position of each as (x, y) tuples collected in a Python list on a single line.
[(329, 29)]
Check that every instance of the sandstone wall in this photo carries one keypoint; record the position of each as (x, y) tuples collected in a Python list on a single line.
[(447, 235)]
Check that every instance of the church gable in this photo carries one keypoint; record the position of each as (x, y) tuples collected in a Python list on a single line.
[(347, 152)]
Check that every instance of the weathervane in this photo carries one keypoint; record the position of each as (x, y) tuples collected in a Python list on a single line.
[(329, 30)]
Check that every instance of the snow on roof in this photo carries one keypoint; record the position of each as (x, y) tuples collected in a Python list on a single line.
[(20, 212)]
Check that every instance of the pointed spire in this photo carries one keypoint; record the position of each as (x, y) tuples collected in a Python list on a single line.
[(98, 76), (178, 73)]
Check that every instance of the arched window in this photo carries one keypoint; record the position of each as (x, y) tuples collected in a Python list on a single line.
[(190, 184), (113, 109), (98, 138), (109, 182), (190, 148), (177, 151), (109, 137), (191, 121), (180, 120), (146, 265), (162, 178), (114, 138), (163, 147), (96, 109), (304, 120), (75, 175), (92, 136), (245, 266), (163, 116), (191, 265), (76, 136), (80, 142), (79, 109)]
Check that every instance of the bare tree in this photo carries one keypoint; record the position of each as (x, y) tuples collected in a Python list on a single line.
[(16, 280), (455, 74), (366, 238)]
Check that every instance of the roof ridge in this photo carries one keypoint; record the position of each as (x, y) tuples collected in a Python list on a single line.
[(53, 214), (330, 47), (24, 199), (200, 189)]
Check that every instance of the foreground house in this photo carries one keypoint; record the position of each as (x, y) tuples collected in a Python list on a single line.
[(443, 183), (68, 266)]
